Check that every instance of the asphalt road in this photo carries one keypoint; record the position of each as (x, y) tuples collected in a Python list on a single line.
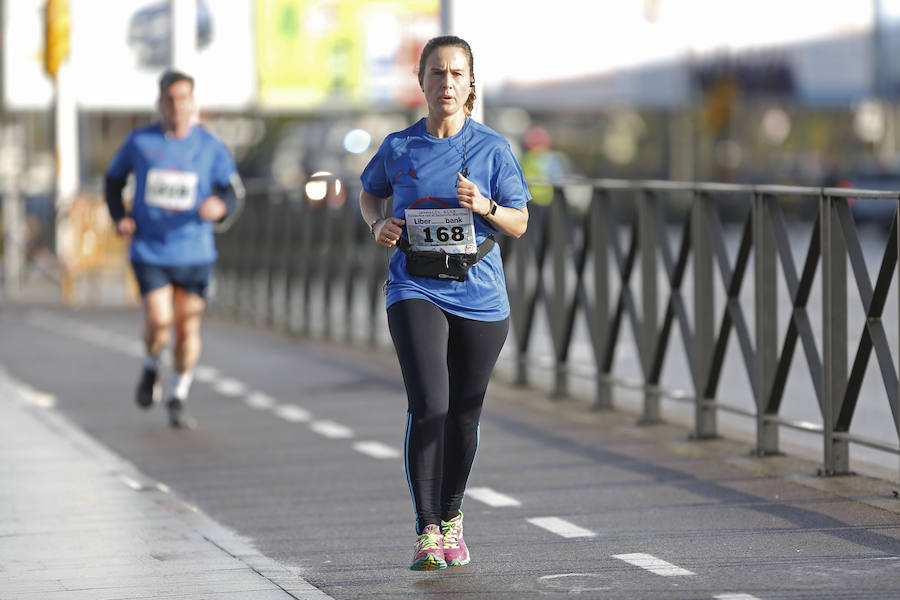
[(298, 450)]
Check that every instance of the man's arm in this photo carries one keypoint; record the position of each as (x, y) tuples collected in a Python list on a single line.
[(113, 192)]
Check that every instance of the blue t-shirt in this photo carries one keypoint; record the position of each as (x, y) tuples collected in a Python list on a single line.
[(417, 168), (172, 177)]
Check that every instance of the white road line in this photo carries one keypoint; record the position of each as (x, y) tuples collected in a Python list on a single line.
[(231, 387), (376, 449), (561, 527), (259, 401), (332, 430), (576, 583), (34, 397), (490, 497), (130, 482), (293, 413), (735, 597), (206, 374), (653, 564)]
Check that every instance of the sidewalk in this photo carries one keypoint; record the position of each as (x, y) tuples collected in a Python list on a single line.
[(77, 521)]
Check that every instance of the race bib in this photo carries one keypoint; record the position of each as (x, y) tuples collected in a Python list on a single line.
[(448, 230), (170, 189)]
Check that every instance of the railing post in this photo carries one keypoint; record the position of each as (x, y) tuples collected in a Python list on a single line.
[(350, 241), (559, 235), (309, 226), (291, 204), (766, 316), (834, 334), (705, 425), (247, 261), (897, 409), (274, 200), (599, 236), (649, 322), (520, 310)]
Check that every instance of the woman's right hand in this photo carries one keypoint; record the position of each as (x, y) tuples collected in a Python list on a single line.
[(387, 231)]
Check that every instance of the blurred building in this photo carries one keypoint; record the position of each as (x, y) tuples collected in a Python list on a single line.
[(793, 92)]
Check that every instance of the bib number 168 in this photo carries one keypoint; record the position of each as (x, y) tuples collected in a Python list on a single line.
[(445, 234)]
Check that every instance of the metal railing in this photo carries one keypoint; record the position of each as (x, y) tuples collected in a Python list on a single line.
[(647, 258)]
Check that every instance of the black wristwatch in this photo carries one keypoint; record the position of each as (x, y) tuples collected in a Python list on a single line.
[(493, 208)]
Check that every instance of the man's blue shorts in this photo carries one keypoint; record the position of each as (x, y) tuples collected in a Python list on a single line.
[(191, 278)]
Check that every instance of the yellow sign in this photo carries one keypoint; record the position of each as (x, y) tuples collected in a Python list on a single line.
[(339, 53), (56, 35)]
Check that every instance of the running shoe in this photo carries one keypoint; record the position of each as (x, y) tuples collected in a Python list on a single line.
[(456, 554), (178, 417), (147, 389), (429, 554)]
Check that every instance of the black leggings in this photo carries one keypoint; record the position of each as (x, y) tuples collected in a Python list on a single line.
[(446, 362)]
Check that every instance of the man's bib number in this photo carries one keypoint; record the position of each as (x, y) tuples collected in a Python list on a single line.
[(170, 189), (449, 230)]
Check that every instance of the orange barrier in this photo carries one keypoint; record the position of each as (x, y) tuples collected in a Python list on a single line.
[(94, 257)]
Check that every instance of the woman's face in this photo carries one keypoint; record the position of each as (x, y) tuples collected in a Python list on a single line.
[(446, 80)]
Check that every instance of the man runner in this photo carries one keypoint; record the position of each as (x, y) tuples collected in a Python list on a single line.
[(185, 181)]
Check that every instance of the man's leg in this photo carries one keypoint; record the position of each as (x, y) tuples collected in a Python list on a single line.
[(157, 308), (188, 313), (157, 319), (188, 316)]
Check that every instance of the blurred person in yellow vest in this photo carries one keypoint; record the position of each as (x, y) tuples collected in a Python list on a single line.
[(541, 165)]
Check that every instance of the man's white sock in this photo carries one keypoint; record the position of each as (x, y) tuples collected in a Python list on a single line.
[(181, 384)]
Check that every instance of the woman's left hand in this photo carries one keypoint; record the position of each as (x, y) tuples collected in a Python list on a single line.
[(468, 196)]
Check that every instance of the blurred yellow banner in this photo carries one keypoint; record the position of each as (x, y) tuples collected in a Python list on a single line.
[(340, 52)]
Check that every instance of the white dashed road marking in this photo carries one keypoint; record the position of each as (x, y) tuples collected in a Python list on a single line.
[(293, 413), (259, 401), (653, 564), (332, 430), (490, 497), (230, 387), (376, 449), (735, 597), (206, 374), (561, 527), (132, 483)]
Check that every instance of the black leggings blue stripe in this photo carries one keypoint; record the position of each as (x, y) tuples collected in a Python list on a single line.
[(446, 362)]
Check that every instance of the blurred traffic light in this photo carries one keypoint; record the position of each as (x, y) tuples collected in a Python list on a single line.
[(56, 35)]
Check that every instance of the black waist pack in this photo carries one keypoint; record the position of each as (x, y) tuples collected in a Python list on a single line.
[(439, 265)]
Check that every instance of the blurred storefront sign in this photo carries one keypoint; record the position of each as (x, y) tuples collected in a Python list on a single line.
[(340, 54), (116, 54)]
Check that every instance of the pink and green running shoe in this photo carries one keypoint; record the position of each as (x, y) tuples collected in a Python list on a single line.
[(429, 554), (456, 554)]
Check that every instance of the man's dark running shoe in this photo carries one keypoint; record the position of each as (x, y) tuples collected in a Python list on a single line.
[(147, 389), (178, 417)]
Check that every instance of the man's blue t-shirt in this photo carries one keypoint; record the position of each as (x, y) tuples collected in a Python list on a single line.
[(172, 177), (419, 169)]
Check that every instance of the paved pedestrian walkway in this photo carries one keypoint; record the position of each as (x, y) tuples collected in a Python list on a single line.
[(77, 521)]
